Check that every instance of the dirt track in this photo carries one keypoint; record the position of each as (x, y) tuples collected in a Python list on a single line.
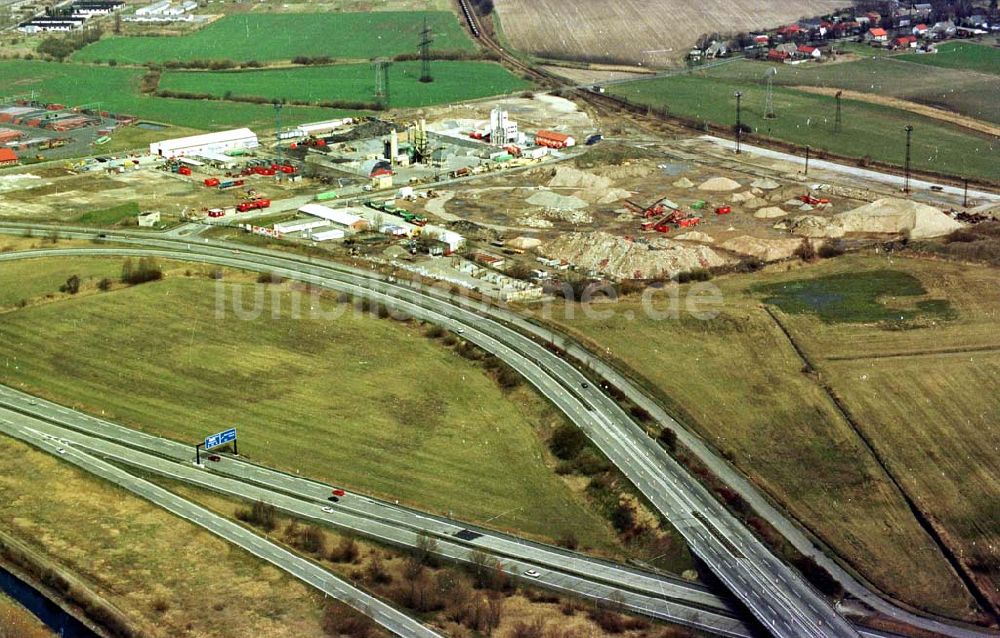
[(927, 111)]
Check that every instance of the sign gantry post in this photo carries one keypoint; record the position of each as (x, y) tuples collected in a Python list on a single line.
[(215, 440)]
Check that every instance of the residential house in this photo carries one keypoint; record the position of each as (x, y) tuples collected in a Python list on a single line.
[(8, 157), (716, 50), (807, 52), (905, 42), (920, 30), (776, 55), (942, 30), (761, 40), (876, 35), (923, 9)]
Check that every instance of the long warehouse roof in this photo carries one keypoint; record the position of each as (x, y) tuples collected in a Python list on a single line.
[(339, 216), (209, 138)]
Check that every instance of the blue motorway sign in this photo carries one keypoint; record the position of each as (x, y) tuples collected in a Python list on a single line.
[(220, 439)]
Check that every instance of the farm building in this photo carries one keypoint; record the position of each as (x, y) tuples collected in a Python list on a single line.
[(807, 51), (39, 25), (553, 139), (340, 216), (8, 157), (241, 138), (299, 225), (93, 8), (9, 135), (321, 128)]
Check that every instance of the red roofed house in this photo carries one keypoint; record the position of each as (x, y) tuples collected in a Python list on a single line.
[(761, 39), (789, 30), (776, 55), (920, 29), (810, 52), (8, 157), (876, 35), (905, 42)]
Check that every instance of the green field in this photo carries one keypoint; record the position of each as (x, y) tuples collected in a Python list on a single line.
[(862, 297), (963, 91), (961, 55), (109, 216), (259, 36), (739, 383), (367, 403), (453, 81), (117, 89), (869, 129)]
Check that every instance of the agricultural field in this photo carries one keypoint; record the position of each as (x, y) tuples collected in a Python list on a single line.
[(117, 89), (871, 130), (964, 92), (737, 380), (367, 403), (961, 55), (139, 558), (31, 279), (634, 31), (453, 81), (283, 36)]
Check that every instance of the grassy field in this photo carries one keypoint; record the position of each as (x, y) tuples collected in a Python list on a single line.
[(963, 91), (30, 279), (919, 395), (805, 118), (961, 55), (18, 622), (737, 380), (260, 36), (160, 568), (453, 81), (117, 89), (109, 216), (365, 403)]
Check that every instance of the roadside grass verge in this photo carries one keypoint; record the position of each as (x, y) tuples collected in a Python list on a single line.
[(157, 567), (18, 622), (113, 216)]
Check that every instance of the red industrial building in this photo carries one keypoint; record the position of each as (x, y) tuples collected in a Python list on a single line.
[(551, 139)]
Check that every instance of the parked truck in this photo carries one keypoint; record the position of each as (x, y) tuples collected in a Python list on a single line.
[(253, 205)]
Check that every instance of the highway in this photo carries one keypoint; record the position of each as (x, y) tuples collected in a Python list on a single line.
[(20, 426), (777, 595), (663, 598)]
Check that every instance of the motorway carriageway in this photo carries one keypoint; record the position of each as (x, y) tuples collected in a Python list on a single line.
[(784, 603), (20, 426)]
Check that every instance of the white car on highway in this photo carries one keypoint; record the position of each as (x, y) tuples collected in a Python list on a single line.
[(530, 573), (327, 509)]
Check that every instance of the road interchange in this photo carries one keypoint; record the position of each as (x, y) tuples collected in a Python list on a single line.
[(777, 595)]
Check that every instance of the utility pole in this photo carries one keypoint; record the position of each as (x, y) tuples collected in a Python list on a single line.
[(836, 119), (425, 53), (807, 160), (739, 123), (906, 167), (965, 194), (381, 66), (277, 130)]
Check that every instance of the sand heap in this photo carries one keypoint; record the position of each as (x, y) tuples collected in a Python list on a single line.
[(770, 212), (893, 216), (719, 184), (602, 195), (569, 177), (684, 183), (765, 184), (763, 249), (695, 235), (555, 201), (754, 202), (620, 258), (524, 243), (815, 227)]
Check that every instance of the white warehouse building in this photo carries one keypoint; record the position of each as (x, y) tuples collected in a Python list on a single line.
[(236, 139)]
